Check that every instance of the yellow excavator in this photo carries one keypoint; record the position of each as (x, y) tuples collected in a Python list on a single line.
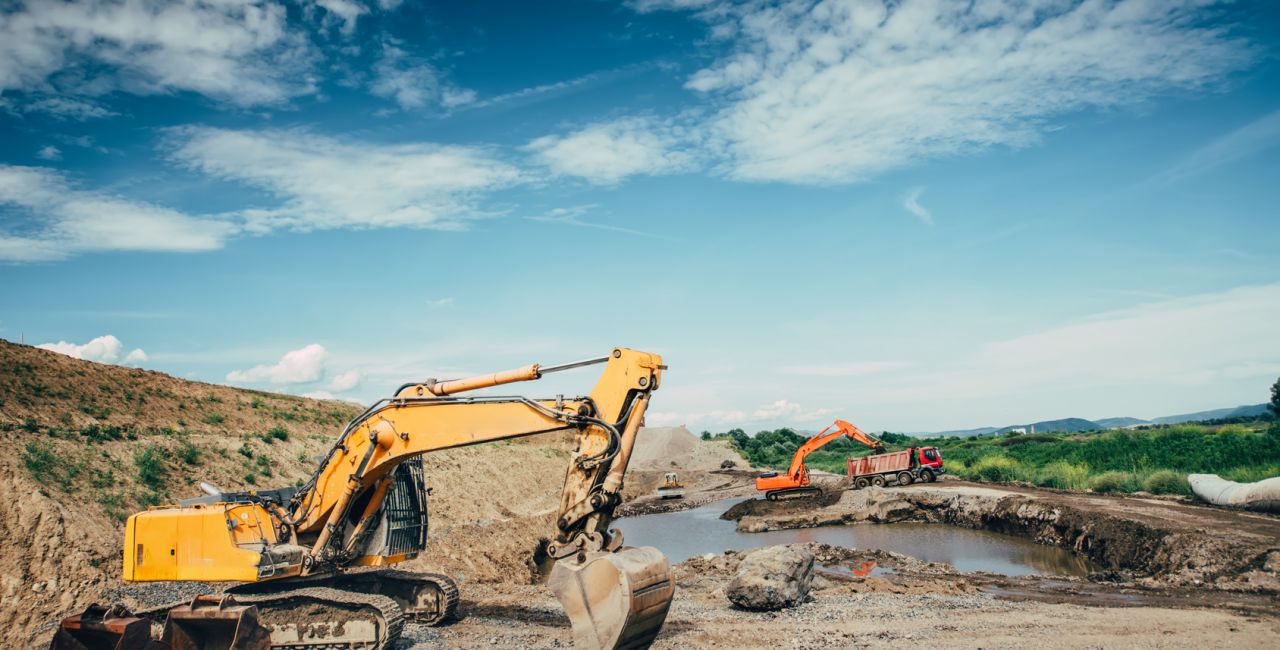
[(309, 559)]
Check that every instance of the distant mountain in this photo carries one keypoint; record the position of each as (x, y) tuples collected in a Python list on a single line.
[(1247, 411), (1070, 425), (1065, 425), (959, 433), (1118, 423)]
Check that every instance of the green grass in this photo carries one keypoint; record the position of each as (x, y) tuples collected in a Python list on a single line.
[(1154, 459)]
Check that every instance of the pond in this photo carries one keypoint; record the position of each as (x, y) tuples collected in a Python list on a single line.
[(687, 533)]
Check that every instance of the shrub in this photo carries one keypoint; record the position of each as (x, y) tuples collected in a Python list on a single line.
[(1064, 476), (149, 462), (998, 468), (278, 433), (250, 479), (38, 458), (189, 453), (245, 451), (214, 418), (1166, 481), (1114, 481)]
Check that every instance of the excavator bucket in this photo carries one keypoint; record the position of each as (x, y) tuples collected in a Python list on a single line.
[(614, 600), (215, 623), (102, 628)]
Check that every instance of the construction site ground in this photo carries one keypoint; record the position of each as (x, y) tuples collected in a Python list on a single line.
[(1172, 574)]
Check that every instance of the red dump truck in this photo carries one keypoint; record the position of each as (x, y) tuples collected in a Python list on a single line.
[(922, 464)]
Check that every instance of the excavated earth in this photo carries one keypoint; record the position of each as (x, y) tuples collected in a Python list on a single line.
[(1155, 542)]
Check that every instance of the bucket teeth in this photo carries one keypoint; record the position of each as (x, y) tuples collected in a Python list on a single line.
[(614, 600)]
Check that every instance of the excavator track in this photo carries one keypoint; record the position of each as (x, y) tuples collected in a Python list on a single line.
[(426, 598)]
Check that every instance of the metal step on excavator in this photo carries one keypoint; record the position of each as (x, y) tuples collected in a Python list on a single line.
[(310, 561)]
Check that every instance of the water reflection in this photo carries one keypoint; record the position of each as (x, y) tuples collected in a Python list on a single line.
[(682, 535)]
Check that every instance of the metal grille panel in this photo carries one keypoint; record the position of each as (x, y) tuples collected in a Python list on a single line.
[(405, 509)]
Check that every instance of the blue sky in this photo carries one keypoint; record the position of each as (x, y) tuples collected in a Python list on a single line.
[(917, 216)]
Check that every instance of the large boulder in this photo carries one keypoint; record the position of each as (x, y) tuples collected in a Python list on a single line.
[(772, 578)]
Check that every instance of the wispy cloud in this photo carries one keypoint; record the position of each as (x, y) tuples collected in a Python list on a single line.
[(64, 220), (323, 182), (532, 94), (605, 153), (440, 302), (1182, 342), (783, 412), (837, 92), (570, 217), (49, 153), (911, 202), (1242, 143), (413, 83)]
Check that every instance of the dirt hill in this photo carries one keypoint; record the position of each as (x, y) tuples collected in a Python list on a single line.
[(93, 443)]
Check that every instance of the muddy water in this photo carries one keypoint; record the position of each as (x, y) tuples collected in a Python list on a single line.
[(682, 535)]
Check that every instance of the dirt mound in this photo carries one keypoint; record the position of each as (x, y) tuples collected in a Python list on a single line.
[(95, 443), (678, 449)]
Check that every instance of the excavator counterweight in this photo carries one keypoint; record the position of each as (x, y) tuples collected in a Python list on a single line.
[(311, 549)]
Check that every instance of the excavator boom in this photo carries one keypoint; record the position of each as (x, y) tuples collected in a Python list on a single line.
[(365, 505)]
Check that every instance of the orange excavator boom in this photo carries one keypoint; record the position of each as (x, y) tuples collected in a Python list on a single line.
[(796, 481)]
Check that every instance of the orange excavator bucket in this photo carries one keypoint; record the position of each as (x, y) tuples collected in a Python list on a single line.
[(102, 627), (215, 623), (614, 599)]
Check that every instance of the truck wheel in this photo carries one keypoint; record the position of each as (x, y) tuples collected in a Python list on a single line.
[(861, 483), (877, 480), (905, 478), (926, 476)]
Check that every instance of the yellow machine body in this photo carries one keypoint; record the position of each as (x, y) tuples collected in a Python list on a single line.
[(219, 542)]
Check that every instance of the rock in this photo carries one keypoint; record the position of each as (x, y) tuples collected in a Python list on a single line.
[(772, 578)]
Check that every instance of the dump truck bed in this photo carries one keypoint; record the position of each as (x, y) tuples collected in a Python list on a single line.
[(880, 463)]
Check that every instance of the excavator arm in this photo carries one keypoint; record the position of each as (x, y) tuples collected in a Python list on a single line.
[(427, 417), (797, 478), (615, 596)]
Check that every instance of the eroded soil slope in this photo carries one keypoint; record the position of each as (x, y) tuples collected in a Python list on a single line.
[(90, 444)]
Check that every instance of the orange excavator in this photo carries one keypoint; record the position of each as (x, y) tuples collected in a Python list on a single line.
[(795, 483)]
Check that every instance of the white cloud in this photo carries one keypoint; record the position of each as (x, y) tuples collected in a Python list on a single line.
[(241, 53), (828, 92), (319, 394), (301, 366), (440, 302), (345, 381), (346, 11), (607, 152), (49, 152), (1178, 344), (911, 203), (64, 220), (103, 349), (413, 83), (850, 369), (325, 182)]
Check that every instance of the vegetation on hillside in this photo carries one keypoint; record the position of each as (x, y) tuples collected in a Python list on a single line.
[(1153, 459)]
